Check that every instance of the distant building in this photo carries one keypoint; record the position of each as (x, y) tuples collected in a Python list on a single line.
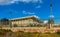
[(26, 21)]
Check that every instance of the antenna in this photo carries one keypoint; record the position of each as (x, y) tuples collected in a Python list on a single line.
[(51, 21), (51, 14)]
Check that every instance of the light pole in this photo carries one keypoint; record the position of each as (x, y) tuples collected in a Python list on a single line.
[(10, 19)]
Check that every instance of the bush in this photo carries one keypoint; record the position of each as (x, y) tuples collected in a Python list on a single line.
[(2, 31), (8, 31), (58, 32), (15, 25), (21, 31), (47, 33)]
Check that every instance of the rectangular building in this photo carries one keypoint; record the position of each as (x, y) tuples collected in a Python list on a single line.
[(25, 21)]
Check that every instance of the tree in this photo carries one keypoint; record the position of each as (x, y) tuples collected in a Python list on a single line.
[(50, 23), (15, 25), (4, 21)]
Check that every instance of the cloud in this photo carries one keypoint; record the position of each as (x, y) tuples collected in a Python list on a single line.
[(27, 1), (52, 16), (36, 16), (45, 22), (38, 6), (24, 12), (30, 12), (5, 2)]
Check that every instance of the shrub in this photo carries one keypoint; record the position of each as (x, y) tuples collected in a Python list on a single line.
[(15, 25), (47, 33), (58, 32), (21, 31), (2, 31), (8, 31)]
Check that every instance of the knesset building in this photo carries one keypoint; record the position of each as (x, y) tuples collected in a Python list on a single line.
[(26, 21)]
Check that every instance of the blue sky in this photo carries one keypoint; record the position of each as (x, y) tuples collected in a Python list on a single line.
[(21, 8)]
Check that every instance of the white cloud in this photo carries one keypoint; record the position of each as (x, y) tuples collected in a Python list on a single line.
[(12, 2), (25, 12), (27, 1), (52, 16), (36, 16), (38, 6), (4, 2), (45, 22), (37, 1), (30, 12)]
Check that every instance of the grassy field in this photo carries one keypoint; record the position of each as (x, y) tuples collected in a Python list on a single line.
[(8, 33)]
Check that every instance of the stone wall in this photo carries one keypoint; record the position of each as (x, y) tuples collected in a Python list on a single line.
[(32, 29)]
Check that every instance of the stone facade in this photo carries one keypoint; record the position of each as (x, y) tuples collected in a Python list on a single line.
[(33, 29), (25, 21)]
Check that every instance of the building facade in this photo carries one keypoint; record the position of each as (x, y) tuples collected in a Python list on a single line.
[(25, 21)]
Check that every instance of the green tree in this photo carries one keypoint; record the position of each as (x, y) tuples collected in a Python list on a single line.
[(4, 21), (15, 25)]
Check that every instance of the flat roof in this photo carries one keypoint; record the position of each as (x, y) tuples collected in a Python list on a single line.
[(24, 17), (27, 17)]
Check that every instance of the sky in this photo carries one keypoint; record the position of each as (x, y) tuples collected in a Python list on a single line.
[(22, 8)]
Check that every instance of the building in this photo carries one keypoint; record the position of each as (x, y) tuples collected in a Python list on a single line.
[(26, 21)]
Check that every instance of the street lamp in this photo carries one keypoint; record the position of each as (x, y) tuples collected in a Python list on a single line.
[(10, 19)]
